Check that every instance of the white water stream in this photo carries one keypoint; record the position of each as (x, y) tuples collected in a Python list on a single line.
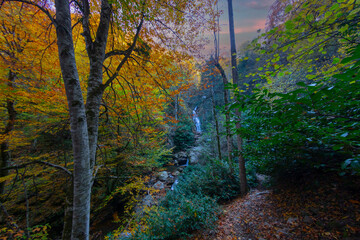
[(196, 121)]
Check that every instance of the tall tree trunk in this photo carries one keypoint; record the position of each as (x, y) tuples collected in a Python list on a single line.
[(96, 52), (68, 212), (235, 76), (78, 123), (5, 155), (216, 123)]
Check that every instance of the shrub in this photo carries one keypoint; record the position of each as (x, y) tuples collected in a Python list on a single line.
[(184, 136), (178, 215), (215, 179)]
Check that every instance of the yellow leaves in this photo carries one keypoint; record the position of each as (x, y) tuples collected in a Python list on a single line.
[(8, 177)]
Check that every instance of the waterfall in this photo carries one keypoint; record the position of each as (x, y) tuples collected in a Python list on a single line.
[(196, 121)]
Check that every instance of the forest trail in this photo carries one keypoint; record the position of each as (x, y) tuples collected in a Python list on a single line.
[(328, 212)]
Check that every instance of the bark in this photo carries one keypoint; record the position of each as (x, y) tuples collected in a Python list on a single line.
[(235, 76), (216, 123), (5, 155), (68, 213), (78, 124), (96, 52)]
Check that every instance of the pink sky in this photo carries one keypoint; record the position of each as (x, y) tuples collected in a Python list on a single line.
[(249, 16)]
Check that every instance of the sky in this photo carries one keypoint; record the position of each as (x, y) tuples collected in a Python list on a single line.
[(249, 16)]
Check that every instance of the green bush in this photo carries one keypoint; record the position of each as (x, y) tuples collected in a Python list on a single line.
[(178, 215), (215, 179), (193, 203), (315, 126), (184, 136)]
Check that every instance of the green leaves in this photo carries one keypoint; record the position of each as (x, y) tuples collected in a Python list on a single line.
[(288, 8)]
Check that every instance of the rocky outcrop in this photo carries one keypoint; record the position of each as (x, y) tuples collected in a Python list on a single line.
[(163, 176), (195, 155), (180, 158)]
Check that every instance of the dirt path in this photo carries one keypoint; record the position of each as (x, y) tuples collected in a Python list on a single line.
[(327, 212)]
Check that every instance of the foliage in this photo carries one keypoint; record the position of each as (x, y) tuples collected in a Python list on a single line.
[(178, 215), (184, 136), (192, 205), (215, 179), (39, 232), (132, 122), (313, 126), (305, 116)]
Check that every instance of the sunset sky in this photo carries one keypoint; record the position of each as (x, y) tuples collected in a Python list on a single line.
[(249, 16)]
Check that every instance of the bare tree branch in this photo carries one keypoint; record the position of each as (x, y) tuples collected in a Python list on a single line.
[(127, 55), (39, 162), (44, 10)]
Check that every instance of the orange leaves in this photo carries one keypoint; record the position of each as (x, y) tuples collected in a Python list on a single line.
[(354, 201)]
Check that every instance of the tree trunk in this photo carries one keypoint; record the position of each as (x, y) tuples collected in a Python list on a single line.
[(78, 123), (235, 76), (96, 52), (216, 123), (68, 212), (5, 155)]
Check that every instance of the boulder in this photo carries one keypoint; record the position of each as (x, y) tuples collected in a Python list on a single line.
[(194, 157), (195, 154), (147, 201), (163, 176), (180, 158), (292, 220), (159, 185), (170, 180), (176, 173)]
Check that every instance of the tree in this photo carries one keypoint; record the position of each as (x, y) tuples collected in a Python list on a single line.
[(216, 62), (84, 113), (235, 76)]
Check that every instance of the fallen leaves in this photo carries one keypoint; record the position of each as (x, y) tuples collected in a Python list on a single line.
[(292, 212)]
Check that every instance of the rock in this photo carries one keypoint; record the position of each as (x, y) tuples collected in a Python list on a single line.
[(180, 155), (159, 185), (195, 153), (194, 158), (170, 180), (163, 176), (180, 158), (148, 200), (176, 173), (291, 220)]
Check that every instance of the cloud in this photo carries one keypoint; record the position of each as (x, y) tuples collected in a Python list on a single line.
[(253, 27), (259, 4)]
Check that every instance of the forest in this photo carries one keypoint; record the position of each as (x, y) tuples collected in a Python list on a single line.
[(118, 122)]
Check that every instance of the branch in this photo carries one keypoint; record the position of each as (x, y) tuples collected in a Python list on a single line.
[(116, 53), (44, 10), (127, 55), (95, 173), (41, 163), (86, 26), (170, 29)]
